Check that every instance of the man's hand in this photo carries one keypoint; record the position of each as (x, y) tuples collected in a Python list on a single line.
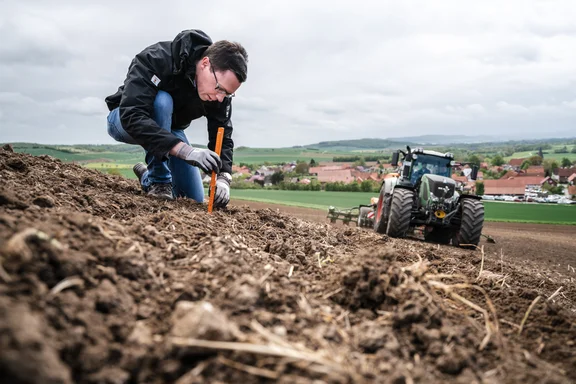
[(204, 159), (222, 194)]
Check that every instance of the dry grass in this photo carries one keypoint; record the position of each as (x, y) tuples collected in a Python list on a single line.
[(68, 282)]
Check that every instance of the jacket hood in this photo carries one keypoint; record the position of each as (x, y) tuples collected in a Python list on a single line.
[(187, 48)]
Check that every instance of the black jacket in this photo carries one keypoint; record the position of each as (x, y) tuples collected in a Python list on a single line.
[(170, 66)]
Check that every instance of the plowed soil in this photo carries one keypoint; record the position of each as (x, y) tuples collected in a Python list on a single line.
[(101, 284)]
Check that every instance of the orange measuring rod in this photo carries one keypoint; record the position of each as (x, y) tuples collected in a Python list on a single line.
[(218, 149)]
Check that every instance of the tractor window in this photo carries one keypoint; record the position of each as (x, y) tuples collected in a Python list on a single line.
[(424, 164)]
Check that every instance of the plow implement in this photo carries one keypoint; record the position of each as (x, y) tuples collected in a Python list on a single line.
[(362, 215)]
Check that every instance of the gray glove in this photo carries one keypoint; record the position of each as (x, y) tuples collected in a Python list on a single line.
[(222, 194), (204, 159)]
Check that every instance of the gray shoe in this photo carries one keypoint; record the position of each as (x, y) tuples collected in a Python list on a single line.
[(139, 170), (161, 191)]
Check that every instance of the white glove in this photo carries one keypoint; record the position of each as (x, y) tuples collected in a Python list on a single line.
[(204, 159), (222, 195)]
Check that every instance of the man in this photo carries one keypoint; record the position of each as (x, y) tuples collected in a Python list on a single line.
[(419, 171), (168, 85)]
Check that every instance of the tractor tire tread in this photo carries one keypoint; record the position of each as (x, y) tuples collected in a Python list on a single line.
[(400, 213), (472, 223), (379, 222)]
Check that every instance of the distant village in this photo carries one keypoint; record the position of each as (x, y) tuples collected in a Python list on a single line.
[(351, 176), (515, 180), (529, 183)]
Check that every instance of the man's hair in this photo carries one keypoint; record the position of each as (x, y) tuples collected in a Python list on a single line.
[(226, 55)]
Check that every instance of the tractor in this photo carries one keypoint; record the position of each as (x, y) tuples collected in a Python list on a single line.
[(424, 194)]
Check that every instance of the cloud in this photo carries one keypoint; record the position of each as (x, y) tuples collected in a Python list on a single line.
[(512, 108), (29, 40), (318, 70), (87, 106), (475, 108)]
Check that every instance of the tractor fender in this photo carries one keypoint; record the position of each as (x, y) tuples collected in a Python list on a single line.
[(389, 184), (402, 186)]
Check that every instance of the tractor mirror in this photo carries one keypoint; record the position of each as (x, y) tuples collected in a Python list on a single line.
[(395, 156), (474, 174)]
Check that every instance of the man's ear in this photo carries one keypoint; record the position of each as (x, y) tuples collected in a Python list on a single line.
[(204, 62)]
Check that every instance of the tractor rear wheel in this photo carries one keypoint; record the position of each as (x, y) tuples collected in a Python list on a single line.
[(400, 213), (381, 214), (471, 223)]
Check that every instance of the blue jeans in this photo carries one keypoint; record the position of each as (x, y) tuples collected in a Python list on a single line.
[(186, 180)]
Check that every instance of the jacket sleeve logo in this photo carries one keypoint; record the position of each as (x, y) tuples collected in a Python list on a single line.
[(155, 80)]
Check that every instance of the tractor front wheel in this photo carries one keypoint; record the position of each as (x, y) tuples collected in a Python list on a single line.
[(400, 213), (471, 223)]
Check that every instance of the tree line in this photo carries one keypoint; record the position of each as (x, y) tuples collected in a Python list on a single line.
[(352, 159)]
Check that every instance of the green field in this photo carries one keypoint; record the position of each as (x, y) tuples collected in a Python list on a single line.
[(122, 157), (126, 155), (286, 155), (549, 155), (126, 172), (530, 212), (262, 155), (308, 199), (117, 157), (114, 168), (494, 211)]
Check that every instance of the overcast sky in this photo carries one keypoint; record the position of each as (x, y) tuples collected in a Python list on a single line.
[(318, 70)]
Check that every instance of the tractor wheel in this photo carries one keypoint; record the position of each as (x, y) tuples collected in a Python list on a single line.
[(381, 214), (471, 223), (363, 217), (439, 235), (400, 213)]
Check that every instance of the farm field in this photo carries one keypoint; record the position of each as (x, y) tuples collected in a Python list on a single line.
[(85, 157), (127, 156), (309, 199), (549, 155), (530, 212), (529, 245), (101, 284), (282, 155), (494, 211), (121, 162)]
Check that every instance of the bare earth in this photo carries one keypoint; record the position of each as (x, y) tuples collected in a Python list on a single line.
[(100, 284), (551, 247)]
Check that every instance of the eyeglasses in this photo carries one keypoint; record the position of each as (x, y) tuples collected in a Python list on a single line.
[(221, 90)]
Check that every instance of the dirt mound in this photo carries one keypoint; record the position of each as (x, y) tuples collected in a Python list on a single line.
[(101, 284)]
